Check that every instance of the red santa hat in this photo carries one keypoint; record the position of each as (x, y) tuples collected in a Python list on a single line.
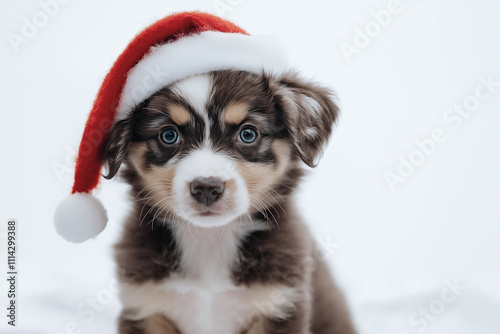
[(173, 48)]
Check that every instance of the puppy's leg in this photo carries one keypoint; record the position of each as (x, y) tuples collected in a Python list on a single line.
[(330, 312), (298, 322), (156, 324), (325, 312), (295, 317)]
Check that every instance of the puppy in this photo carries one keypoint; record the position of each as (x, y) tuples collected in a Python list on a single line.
[(214, 243)]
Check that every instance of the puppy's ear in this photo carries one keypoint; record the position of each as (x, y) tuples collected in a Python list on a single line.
[(309, 112), (116, 148)]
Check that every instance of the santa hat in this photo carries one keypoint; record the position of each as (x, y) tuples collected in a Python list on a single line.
[(173, 48)]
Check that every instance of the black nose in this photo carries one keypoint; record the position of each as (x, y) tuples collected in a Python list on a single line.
[(207, 190)]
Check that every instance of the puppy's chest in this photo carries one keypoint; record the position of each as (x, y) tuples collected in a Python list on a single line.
[(202, 298), (203, 309)]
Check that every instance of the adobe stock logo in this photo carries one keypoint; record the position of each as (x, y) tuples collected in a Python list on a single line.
[(373, 28), (453, 119), (421, 319), (31, 26)]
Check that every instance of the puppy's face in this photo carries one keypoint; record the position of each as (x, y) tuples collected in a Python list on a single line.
[(217, 147)]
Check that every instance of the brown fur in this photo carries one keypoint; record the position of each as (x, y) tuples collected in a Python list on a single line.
[(282, 109)]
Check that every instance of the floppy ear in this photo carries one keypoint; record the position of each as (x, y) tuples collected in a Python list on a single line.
[(309, 112), (116, 148)]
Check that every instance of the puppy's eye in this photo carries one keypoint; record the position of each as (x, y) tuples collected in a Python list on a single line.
[(247, 135), (169, 136)]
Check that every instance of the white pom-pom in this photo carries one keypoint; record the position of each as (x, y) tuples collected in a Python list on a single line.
[(80, 217)]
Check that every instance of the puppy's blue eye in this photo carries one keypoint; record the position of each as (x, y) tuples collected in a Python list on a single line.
[(170, 136), (247, 135)]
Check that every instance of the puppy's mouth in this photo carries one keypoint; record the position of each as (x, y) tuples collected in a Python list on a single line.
[(213, 215), (217, 209), (208, 213)]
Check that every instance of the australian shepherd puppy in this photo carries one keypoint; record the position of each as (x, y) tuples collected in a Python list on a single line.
[(214, 243)]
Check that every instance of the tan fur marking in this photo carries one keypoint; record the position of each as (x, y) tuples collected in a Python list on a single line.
[(136, 155), (157, 180), (230, 185), (179, 114), (159, 324), (236, 112), (260, 178)]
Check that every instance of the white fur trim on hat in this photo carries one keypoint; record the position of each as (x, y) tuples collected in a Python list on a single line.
[(79, 217), (198, 54)]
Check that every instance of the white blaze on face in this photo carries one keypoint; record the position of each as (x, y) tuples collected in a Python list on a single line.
[(196, 90), (204, 162)]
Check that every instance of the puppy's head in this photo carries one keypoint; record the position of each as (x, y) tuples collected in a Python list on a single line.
[(215, 147)]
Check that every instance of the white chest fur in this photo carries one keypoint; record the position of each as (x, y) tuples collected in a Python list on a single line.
[(202, 299)]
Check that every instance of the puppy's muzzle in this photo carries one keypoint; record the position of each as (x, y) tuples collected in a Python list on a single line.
[(207, 190)]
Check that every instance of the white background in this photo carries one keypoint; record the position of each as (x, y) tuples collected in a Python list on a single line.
[(394, 248)]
